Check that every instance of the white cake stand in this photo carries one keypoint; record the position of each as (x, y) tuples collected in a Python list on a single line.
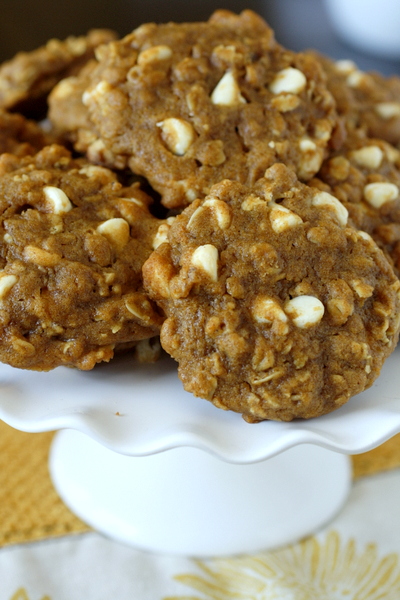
[(148, 464)]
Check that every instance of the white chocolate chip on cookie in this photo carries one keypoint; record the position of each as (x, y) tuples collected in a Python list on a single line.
[(378, 193), (7, 282), (267, 310), (154, 54), (177, 134), (57, 200), (227, 92), (161, 235), (288, 80), (345, 66), (305, 311), (387, 110), (327, 200), (282, 218), (116, 230), (205, 258), (370, 157)]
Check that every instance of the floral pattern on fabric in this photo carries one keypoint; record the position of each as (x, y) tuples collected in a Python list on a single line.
[(329, 569), (22, 594)]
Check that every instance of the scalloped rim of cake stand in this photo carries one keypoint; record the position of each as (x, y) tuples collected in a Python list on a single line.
[(119, 478), (139, 410)]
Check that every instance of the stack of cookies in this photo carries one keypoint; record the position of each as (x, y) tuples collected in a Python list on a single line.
[(201, 183)]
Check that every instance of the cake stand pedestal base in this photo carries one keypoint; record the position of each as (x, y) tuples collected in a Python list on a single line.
[(187, 502)]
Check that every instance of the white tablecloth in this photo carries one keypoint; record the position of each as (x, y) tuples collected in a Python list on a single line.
[(356, 557)]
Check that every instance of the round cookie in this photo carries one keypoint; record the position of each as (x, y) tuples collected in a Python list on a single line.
[(368, 102), (72, 244), (19, 135), (365, 177), (26, 79), (275, 307), (187, 105)]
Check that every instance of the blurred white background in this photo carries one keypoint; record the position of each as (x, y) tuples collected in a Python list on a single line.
[(299, 24)]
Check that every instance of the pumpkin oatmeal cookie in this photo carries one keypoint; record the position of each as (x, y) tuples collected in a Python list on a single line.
[(276, 308), (26, 79), (187, 105), (365, 177), (72, 244), (368, 102)]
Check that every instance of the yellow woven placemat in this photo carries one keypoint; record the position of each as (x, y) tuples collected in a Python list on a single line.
[(30, 508)]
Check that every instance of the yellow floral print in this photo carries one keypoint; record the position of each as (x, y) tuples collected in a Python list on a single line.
[(22, 594), (310, 570)]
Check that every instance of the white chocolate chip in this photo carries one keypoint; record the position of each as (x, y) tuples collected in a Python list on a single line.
[(327, 200), (194, 216), (161, 236), (191, 195), (356, 78), (6, 283), (57, 200), (288, 80), (305, 311), (116, 230), (345, 66), (206, 258), (307, 145), (370, 157), (267, 310), (365, 236), (227, 92), (220, 211), (387, 110), (378, 193), (64, 88), (323, 130), (95, 171), (177, 134), (153, 54), (310, 160), (8, 238), (282, 218)]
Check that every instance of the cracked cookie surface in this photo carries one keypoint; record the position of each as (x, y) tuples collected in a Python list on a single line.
[(187, 105), (276, 308), (72, 244)]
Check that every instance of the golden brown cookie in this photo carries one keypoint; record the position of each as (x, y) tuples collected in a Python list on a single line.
[(26, 79), (19, 135), (187, 105), (72, 244), (368, 102), (365, 177), (276, 308)]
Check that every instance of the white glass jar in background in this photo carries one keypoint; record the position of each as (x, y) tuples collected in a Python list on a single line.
[(372, 26)]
